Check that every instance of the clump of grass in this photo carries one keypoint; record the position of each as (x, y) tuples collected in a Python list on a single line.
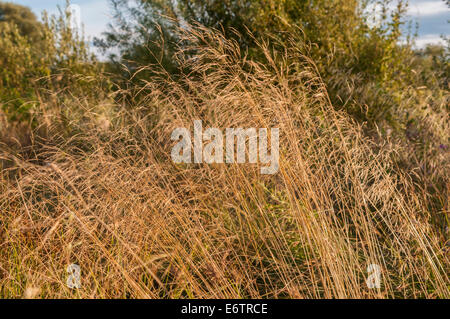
[(109, 198)]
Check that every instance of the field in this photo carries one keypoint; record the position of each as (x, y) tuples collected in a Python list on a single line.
[(88, 179)]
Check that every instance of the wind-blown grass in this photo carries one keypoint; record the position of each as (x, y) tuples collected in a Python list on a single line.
[(97, 188)]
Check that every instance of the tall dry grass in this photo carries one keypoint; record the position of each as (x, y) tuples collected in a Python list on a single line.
[(97, 187)]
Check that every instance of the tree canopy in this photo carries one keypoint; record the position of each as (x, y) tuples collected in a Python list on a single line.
[(346, 45), (23, 17)]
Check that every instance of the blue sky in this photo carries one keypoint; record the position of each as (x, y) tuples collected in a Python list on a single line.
[(432, 16), (95, 14)]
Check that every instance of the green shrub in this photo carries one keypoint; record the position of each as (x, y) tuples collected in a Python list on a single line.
[(54, 58)]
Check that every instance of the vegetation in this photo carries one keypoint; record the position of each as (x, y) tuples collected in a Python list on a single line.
[(38, 59), (86, 176)]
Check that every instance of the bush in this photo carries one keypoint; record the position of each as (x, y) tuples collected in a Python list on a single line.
[(49, 60)]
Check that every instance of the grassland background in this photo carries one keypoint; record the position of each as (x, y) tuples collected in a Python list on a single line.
[(86, 176)]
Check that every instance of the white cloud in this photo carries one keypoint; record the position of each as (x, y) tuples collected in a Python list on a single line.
[(422, 41), (427, 8)]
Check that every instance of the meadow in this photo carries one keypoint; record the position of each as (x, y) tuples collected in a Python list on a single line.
[(87, 178)]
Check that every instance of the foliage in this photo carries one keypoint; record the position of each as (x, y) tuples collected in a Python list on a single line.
[(23, 18), (48, 60), (110, 199), (348, 49), (88, 177)]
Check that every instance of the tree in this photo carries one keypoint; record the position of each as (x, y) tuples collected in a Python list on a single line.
[(358, 60), (23, 17), (39, 57)]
